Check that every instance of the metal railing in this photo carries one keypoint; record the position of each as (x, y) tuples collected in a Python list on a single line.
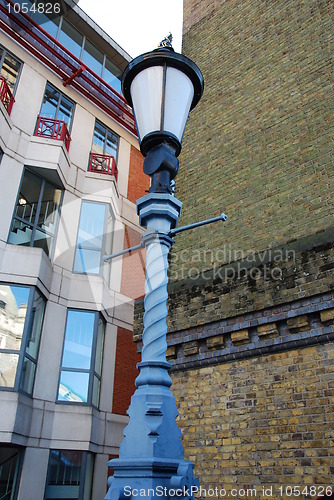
[(102, 164), (6, 96), (53, 129)]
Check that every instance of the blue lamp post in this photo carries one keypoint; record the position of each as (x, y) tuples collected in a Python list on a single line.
[(162, 87)]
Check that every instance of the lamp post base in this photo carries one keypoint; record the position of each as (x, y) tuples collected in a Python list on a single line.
[(151, 462)]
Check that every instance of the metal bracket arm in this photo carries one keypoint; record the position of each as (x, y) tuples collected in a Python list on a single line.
[(149, 234)]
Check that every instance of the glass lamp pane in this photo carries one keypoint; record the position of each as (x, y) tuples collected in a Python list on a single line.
[(179, 94), (146, 94)]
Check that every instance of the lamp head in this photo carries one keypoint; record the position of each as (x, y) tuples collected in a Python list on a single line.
[(162, 86)]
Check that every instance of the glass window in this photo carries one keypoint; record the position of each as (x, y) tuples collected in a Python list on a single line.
[(112, 75), (93, 57), (9, 68), (90, 240), (70, 475), (10, 471), (71, 38), (48, 21), (57, 106), (80, 375), (105, 141), (37, 212), (21, 320)]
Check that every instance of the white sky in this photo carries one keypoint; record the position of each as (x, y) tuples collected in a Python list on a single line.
[(137, 25)]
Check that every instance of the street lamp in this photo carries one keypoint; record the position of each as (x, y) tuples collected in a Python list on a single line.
[(162, 87)]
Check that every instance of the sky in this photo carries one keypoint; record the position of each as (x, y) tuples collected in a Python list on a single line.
[(137, 25)]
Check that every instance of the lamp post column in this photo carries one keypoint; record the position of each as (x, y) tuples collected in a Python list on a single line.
[(151, 458), (162, 87)]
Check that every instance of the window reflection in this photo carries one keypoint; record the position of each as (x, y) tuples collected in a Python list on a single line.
[(105, 141), (57, 106), (93, 57), (9, 68), (81, 368), (71, 38), (20, 330), (90, 239)]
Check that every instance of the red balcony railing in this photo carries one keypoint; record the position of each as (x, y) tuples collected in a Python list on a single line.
[(53, 129), (102, 164), (6, 95)]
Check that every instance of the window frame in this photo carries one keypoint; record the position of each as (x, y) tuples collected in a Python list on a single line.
[(22, 352), (61, 95), (39, 203), (2, 58), (105, 138), (92, 368)]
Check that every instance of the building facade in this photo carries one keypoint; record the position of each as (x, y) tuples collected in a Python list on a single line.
[(251, 304), (70, 174)]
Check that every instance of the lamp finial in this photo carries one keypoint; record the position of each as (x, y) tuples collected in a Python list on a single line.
[(166, 42)]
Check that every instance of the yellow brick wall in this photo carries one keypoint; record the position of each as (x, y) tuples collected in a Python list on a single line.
[(262, 422)]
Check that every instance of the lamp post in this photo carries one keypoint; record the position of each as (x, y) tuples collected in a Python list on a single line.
[(162, 87)]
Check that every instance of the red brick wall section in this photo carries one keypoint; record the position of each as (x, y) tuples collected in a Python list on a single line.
[(138, 181), (125, 371), (133, 269)]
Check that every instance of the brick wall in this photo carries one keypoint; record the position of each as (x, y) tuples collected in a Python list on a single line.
[(125, 371), (133, 266), (259, 144), (138, 182), (261, 422)]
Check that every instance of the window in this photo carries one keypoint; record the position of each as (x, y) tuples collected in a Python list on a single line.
[(9, 68), (57, 106), (112, 75), (71, 38), (74, 41), (80, 374), (21, 320), (37, 212), (93, 57), (10, 471), (70, 475), (92, 238), (105, 142)]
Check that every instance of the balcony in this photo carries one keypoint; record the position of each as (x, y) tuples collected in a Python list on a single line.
[(102, 164), (6, 96), (51, 128)]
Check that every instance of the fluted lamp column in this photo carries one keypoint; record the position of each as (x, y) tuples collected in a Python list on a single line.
[(162, 87)]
